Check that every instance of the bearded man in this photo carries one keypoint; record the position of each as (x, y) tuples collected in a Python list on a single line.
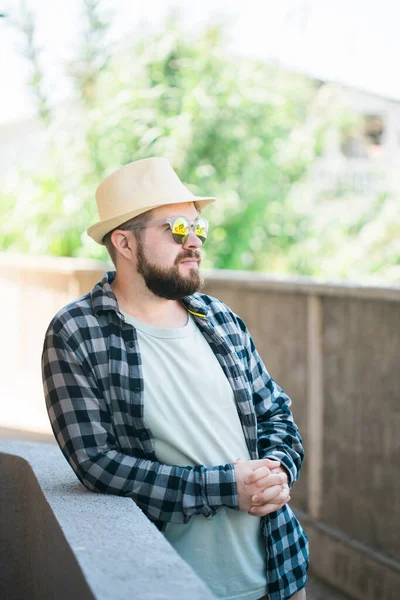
[(154, 390)]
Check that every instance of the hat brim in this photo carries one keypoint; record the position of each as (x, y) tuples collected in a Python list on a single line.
[(99, 230)]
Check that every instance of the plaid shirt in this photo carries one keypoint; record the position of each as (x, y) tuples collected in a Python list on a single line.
[(93, 384)]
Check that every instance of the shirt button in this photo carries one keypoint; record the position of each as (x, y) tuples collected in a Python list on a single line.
[(136, 389), (130, 344)]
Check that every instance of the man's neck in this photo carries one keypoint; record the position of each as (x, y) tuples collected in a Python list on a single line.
[(137, 300)]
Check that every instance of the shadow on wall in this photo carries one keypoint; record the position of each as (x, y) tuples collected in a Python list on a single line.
[(32, 544)]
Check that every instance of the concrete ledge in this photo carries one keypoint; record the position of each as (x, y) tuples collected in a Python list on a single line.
[(300, 285), (59, 540)]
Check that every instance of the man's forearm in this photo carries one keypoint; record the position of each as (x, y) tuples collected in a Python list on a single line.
[(165, 493)]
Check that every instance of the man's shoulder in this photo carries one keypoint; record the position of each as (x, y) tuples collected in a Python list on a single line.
[(79, 317), (217, 310), (73, 316), (210, 303)]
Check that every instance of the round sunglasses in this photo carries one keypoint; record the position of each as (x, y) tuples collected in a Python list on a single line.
[(180, 227)]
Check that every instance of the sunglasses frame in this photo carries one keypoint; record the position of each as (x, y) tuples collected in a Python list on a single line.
[(170, 221)]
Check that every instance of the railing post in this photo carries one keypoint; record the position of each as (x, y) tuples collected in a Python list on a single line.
[(315, 406)]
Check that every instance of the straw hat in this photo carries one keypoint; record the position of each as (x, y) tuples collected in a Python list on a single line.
[(136, 188)]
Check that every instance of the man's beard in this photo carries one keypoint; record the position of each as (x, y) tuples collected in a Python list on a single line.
[(169, 283)]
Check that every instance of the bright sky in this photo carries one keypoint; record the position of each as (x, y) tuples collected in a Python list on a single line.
[(351, 41)]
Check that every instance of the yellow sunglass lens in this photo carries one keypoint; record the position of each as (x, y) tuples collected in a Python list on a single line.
[(180, 227), (180, 230), (201, 230)]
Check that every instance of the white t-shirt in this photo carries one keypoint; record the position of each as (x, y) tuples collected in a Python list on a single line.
[(190, 409)]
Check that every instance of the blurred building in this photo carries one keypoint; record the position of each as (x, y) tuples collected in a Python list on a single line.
[(366, 158)]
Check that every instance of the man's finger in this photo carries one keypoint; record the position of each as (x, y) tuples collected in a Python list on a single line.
[(265, 481), (252, 477), (262, 462), (280, 469), (273, 495), (258, 462), (266, 509), (275, 466), (257, 474), (267, 495)]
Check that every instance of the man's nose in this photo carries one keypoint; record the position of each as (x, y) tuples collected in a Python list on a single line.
[(192, 241)]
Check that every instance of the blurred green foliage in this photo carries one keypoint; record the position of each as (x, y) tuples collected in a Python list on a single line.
[(233, 128)]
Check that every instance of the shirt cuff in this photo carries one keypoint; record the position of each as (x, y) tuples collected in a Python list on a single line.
[(221, 488), (286, 463)]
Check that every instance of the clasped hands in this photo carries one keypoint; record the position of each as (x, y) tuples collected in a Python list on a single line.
[(262, 486)]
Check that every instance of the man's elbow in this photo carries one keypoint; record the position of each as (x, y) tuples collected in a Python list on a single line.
[(94, 477)]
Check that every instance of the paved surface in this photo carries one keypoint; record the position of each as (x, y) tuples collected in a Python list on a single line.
[(316, 589)]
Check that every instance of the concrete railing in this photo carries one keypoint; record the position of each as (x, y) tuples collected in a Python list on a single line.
[(333, 348), (57, 540)]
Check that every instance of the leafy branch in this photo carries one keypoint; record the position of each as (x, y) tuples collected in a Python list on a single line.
[(32, 52)]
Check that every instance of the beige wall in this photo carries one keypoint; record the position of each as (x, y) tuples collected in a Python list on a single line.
[(32, 290), (334, 349)]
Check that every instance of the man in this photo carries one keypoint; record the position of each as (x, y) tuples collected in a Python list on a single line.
[(156, 392)]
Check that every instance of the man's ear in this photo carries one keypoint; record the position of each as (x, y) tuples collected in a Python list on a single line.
[(124, 243)]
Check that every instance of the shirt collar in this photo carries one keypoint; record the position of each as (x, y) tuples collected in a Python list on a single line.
[(195, 305), (102, 296)]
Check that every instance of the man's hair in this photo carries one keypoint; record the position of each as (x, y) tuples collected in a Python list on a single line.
[(111, 249)]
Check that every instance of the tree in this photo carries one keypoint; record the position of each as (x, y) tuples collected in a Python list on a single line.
[(233, 128)]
